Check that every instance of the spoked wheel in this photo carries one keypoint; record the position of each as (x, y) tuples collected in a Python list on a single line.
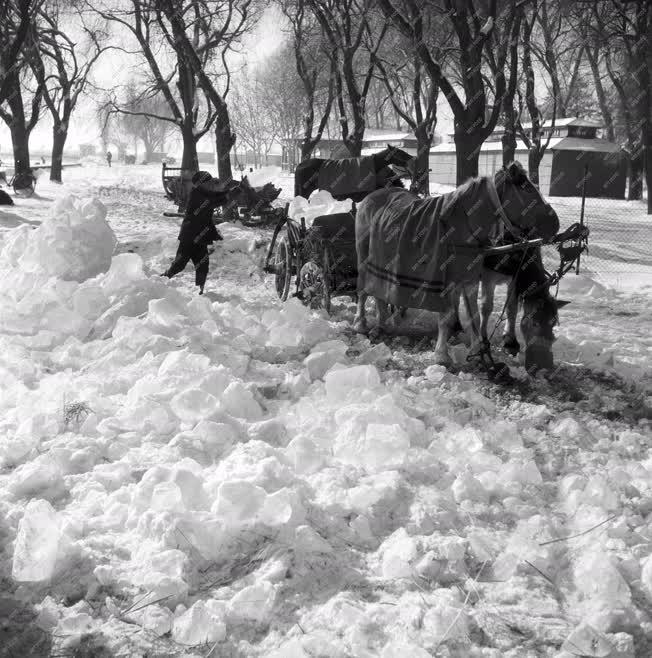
[(283, 268), (326, 288), (315, 283), (24, 184)]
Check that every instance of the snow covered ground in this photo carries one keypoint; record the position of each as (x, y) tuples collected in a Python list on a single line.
[(233, 476)]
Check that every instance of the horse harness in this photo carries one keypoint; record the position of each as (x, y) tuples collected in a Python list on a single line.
[(570, 256)]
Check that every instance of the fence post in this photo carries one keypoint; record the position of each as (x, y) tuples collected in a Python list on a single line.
[(586, 174)]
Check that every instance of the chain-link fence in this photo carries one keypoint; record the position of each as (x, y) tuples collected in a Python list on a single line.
[(620, 242)]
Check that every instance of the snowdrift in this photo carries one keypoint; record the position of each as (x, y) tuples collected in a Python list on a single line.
[(195, 472)]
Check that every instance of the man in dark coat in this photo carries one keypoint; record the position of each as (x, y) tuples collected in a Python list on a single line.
[(198, 229)]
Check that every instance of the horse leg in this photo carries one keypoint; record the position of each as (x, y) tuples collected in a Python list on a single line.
[(510, 344), (383, 315), (456, 325), (470, 292), (360, 320), (445, 325), (486, 304)]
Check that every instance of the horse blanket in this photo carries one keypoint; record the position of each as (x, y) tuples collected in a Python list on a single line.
[(347, 176), (418, 250)]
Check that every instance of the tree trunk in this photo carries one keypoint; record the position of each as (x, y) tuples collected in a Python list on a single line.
[(636, 168), (149, 150), (534, 157), (59, 136), (307, 147), (467, 155), (20, 144), (605, 110), (224, 142), (509, 136), (422, 171), (189, 160)]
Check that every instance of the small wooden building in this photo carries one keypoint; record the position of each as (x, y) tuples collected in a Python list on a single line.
[(573, 146)]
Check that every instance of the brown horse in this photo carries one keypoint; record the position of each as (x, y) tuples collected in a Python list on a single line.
[(428, 253), (354, 178)]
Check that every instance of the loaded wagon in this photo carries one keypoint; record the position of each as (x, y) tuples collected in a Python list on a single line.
[(252, 207), (318, 262)]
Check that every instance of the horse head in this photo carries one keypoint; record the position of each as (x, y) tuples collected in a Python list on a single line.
[(524, 205), (401, 162), (540, 309)]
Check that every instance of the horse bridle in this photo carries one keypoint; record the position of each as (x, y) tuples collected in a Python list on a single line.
[(516, 231)]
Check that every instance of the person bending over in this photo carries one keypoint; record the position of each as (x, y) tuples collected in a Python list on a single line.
[(198, 229)]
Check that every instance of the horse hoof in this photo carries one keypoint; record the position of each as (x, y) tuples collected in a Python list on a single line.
[(443, 360), (499, 373)]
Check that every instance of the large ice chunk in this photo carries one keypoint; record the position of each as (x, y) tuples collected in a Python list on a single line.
[(193, 405), (646, 576), (380, 448), (202, 623), (37, 543), (74, 243), (239, 501), (345, 383), (399, 553), (125, 271), (253, 603), (240, 402)]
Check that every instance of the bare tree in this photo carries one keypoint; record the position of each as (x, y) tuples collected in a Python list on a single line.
[(203, 31), (190, 109), (508, 138), (139, 107), (17, 17), (282, 92), (534, 137), (464, 64), (354, 32), (624, 30), (22, 110), (414, 98), (62, 65), (314, 68), (112, 129), (252, 118)]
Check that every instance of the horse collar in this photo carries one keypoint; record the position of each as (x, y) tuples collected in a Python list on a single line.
[(495, 199)]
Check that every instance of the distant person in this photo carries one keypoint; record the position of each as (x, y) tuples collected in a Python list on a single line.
[(109, 157), (251, 170), (42, 159), (198, 228)]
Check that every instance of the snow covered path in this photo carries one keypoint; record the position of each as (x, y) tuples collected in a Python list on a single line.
[(179, 479)]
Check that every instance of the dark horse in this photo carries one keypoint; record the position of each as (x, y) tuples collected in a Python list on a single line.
[(427, 253), (354, 178)]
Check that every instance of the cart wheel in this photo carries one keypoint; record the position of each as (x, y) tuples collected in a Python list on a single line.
[(326, 288), (283, 268), (314, 284), (24, 184)]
